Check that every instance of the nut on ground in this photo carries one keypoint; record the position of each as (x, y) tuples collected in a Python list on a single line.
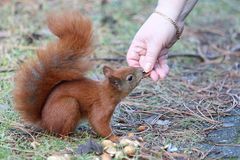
[(110, 150), (129, 150), (105, 156), (107, 143), (124, 142), (130, 135)]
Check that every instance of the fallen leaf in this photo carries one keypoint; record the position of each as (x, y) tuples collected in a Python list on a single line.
[(141, 128), (90, 147)]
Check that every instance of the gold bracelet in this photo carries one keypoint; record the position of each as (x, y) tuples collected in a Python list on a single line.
[(178, 33)]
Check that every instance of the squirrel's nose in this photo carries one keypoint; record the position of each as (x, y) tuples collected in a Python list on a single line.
[(144, 74)]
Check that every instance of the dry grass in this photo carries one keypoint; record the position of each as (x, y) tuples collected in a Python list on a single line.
[(203, 85)]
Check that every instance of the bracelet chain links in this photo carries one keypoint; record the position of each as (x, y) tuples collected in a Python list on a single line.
[(178, 33)]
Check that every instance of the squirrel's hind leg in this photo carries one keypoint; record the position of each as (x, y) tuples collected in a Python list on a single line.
[(62, 116)]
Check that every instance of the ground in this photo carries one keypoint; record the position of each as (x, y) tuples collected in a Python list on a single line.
[(193, 113)]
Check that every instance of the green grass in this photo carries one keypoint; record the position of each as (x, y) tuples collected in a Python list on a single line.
[(16, 143)]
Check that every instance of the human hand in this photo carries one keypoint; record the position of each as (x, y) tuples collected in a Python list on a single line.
[(150, 46)]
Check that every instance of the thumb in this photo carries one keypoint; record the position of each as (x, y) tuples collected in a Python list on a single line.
[(151, 57)]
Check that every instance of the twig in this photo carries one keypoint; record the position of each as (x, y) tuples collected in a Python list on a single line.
[(215, 60), (203, 118), (188, 56), (108, 59), (17, 126), (26, 151), (230, 145), (207, 153)]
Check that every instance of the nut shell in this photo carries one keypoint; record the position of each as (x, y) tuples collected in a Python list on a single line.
[(124, 142), (111, 150), (129, 150), (107, 143), (105, 156)]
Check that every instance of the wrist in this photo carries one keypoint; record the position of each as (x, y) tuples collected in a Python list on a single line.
[(171, 8)]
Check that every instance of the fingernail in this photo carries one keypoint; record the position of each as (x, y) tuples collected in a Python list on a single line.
[(148, 67)]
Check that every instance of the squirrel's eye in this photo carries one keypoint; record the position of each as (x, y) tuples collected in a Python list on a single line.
[(129, 77)]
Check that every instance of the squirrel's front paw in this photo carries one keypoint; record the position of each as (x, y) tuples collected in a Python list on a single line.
[(114, 138)]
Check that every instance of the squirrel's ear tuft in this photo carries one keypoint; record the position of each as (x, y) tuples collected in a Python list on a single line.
[(107, 71)]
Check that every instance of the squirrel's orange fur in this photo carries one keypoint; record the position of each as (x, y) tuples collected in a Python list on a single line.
[(52, 91)]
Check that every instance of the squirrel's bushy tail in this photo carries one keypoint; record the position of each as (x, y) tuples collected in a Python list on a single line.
[(62, 60)]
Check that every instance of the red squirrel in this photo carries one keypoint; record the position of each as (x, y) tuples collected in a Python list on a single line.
[(52, 90)]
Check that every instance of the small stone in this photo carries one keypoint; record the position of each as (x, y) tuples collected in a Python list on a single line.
[(129, 150)]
